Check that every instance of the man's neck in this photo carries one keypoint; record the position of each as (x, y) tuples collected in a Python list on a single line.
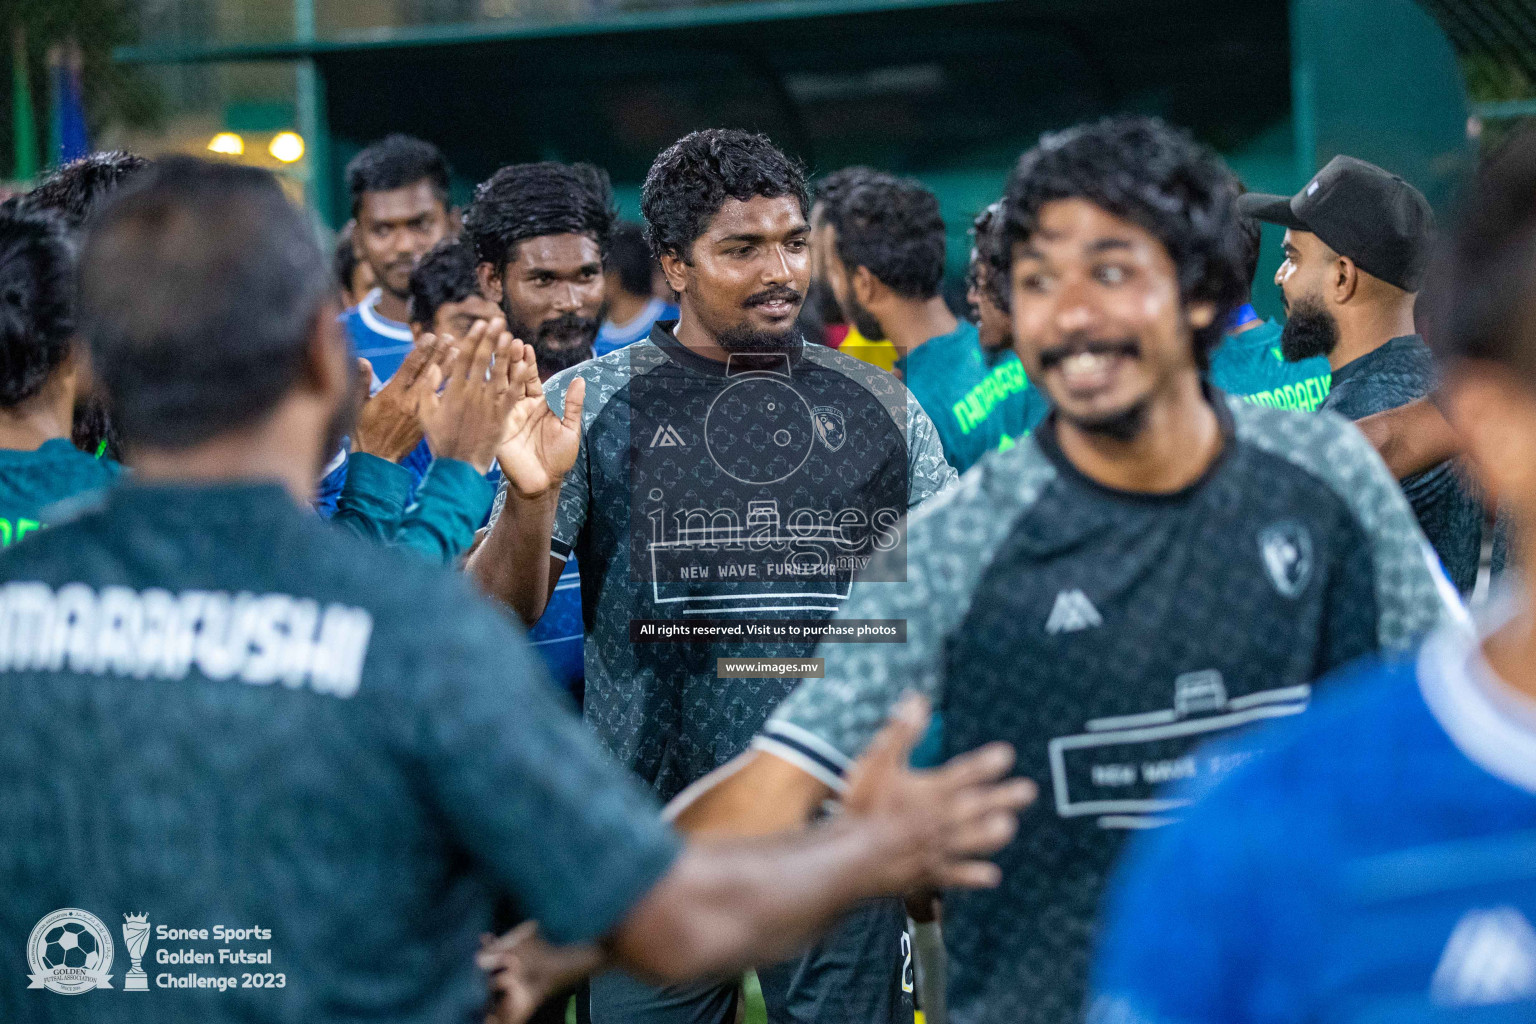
[(697, 338), (1369, 331), (392, 307), (1176, 445), (283, 449), (624, 307), (911, 322), (38, 420)]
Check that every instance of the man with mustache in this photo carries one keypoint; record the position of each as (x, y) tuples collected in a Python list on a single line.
[(882, 249), (399, 189), (540, 232), (722, 482), (1152, 566), (1356, 243)]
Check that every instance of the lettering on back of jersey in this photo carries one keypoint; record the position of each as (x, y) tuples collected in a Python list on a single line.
[(1071, 613), (1490, 959), (258, 639)]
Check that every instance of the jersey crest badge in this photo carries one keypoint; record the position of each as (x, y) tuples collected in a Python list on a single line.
[(1287, 551), (1072, 613), (831, 429)]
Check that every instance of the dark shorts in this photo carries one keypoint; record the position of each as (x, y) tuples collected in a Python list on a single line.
[(857, 974)]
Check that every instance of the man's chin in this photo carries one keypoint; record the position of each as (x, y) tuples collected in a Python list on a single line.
[(1122, 423)]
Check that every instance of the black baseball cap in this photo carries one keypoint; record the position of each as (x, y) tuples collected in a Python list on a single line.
[(1370, 215)]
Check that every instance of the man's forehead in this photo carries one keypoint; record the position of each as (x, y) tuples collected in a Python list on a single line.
[(760, 215), (1076, 225), (405, 203), (554, 251)]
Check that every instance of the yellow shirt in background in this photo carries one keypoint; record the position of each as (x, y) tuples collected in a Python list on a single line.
[(876, 353)]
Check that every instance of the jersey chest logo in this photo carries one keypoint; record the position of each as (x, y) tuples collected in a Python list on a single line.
[(1287, 551), (1490, 958), (1072, 613)]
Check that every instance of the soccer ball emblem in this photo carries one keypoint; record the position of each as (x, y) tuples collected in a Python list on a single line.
[(70, 945)]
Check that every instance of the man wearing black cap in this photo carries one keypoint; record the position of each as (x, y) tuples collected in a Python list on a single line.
[(1356, 245)]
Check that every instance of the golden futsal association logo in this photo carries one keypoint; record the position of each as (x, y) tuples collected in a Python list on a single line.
[(70, 952)]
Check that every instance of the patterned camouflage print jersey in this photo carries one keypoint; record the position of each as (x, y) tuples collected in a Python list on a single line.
[(1106, 635), (728, 494)]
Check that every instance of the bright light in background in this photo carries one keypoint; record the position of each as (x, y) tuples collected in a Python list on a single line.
[(286, 146), (227, 144)]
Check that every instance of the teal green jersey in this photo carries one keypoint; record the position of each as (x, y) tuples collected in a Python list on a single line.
[(978, 402), (31, 482), (315, 765), (1249, 365)]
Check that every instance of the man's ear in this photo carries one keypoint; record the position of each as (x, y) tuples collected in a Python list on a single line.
[(1201, 315), (1345, 279), (675, 270), (354, 233), (490, 282), (866, 287)]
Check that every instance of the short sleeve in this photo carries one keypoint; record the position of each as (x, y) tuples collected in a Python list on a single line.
[(575, 839), (928, 471)]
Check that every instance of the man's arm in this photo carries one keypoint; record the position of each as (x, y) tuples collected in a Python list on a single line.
[(1412, 438), (515, 562)]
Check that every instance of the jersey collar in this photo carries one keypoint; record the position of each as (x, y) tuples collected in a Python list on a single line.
[(378, 324), (1489, 722), (662, 337)]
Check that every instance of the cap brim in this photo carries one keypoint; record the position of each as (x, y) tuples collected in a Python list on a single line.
[(1271, 208)]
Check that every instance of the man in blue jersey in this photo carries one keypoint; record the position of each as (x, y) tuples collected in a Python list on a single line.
[(399, 189), (630, 282), (1376, 861)]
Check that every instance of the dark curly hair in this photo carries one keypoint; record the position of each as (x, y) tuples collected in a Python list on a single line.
[(693, 178), (834, 186), (1479, 293), (37, 267), (76, 189), (986, 241), (1155, 176), (535, 200), (396, 161), (893, 227), (446, 274)]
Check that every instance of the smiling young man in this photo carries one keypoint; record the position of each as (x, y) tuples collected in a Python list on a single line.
[(1374, 863), (1149, 568), (399, 189), (728, 475)]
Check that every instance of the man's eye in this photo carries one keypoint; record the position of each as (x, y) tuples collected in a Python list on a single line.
[(743, 251), (795, 245), (1110, 274), (1033, 282)]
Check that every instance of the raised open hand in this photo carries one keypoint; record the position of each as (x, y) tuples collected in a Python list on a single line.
[(538, 447), (467, 419), (950, 817), (389, 423)]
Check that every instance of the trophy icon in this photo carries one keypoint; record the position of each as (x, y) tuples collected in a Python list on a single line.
[(136, 937)]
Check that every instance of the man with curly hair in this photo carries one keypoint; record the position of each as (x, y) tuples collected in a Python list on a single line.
[(1155, 565), (881, 242), (540, 233), (721, 482)]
